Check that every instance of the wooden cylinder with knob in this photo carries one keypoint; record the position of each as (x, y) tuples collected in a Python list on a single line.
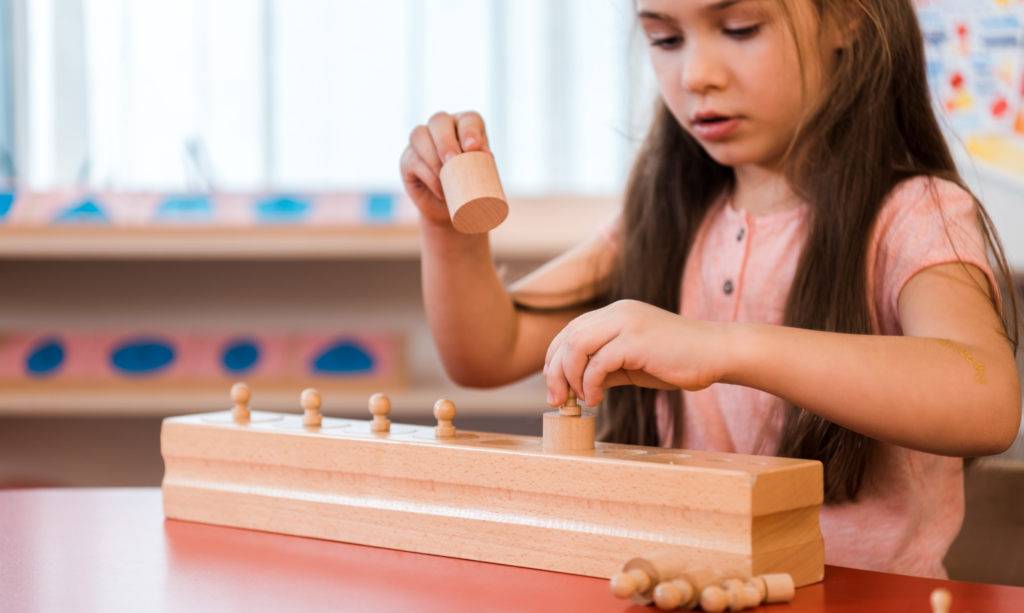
[(444, 412), (641, 574), (683, 590), (715, 599), (732, 595), (380, 406), (941, 600), (628, 585), (569, 429), (240, 396), (310, 401), (472, 189), (675, 594), (778, 587)]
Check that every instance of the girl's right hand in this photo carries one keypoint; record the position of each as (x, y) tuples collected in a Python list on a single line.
[(430, 146)]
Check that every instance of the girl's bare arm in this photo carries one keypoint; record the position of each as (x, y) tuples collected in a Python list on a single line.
[(483, 339), (949, 386)]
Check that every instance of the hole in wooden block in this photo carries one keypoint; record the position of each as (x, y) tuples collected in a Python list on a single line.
[(429, 435), (510, 442), (327, 423), (719, 460), (362, 428), (624, 452), (255, 417)]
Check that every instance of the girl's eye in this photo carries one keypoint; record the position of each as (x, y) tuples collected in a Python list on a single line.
[(666, 42), (742, 33)]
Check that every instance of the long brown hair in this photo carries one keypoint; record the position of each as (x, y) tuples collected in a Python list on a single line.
[(875, 129)]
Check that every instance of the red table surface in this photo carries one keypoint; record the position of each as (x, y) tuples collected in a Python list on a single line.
[(112, 550)]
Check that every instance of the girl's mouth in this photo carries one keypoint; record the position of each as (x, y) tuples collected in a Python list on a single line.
[(712, 126)]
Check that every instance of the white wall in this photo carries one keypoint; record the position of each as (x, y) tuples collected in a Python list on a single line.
[(322, 94)]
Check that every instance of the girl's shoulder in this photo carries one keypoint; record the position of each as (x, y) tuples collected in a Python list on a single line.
[(924, 221), (925, 200)]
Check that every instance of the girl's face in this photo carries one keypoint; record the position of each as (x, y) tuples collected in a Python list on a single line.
[(729, 71)]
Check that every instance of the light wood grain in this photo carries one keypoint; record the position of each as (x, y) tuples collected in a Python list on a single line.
[(472, 189), (497, 498), (568, 432)]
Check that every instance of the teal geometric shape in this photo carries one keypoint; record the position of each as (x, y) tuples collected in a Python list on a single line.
[(6, 202), (87, 212), (344, 357), (282, 209), (379, 208), (142, 356), (185, 208), (45, 357)]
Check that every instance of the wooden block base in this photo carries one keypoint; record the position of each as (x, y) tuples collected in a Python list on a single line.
[(495, 497)]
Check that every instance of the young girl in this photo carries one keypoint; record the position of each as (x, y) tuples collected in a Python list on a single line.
[(797, 270)]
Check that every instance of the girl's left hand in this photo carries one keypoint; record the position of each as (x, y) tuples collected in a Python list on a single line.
[(631, 343)]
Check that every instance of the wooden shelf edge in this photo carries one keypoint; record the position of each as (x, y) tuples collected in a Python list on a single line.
[(185, 244), (536, 228)]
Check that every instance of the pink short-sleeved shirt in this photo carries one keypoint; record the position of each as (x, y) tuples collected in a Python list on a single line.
[(741, 269)]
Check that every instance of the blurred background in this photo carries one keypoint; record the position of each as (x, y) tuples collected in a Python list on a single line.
[(204, 191)]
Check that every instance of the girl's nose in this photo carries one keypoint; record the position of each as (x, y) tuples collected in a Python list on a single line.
[(702, 71)]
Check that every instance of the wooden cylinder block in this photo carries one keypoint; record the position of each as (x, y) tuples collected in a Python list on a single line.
[(779, 587), (715, 599), (941, 600), (658, 567), (568, 432), (684, 590), (472, 188), (628, 585)]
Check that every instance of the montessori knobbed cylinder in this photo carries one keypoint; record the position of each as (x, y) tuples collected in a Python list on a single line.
[(473, 191)]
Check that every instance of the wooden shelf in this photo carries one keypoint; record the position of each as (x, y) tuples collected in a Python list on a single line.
[(535, 228), (522, 399)]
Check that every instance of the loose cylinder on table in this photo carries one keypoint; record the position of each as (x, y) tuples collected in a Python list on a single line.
[(473, 191)]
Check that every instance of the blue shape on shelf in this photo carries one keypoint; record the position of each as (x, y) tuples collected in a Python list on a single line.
[(86, 212), (380, 208), (345, 357), (45, 357), (6, 202), (142, 356), (241, 356), (282, 209), (185, 208)]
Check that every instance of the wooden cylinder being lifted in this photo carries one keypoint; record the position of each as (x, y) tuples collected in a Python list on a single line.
[(569, 429), (473, 191)]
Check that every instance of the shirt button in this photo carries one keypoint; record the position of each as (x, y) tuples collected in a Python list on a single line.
[(743, 232), (727, 288)]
